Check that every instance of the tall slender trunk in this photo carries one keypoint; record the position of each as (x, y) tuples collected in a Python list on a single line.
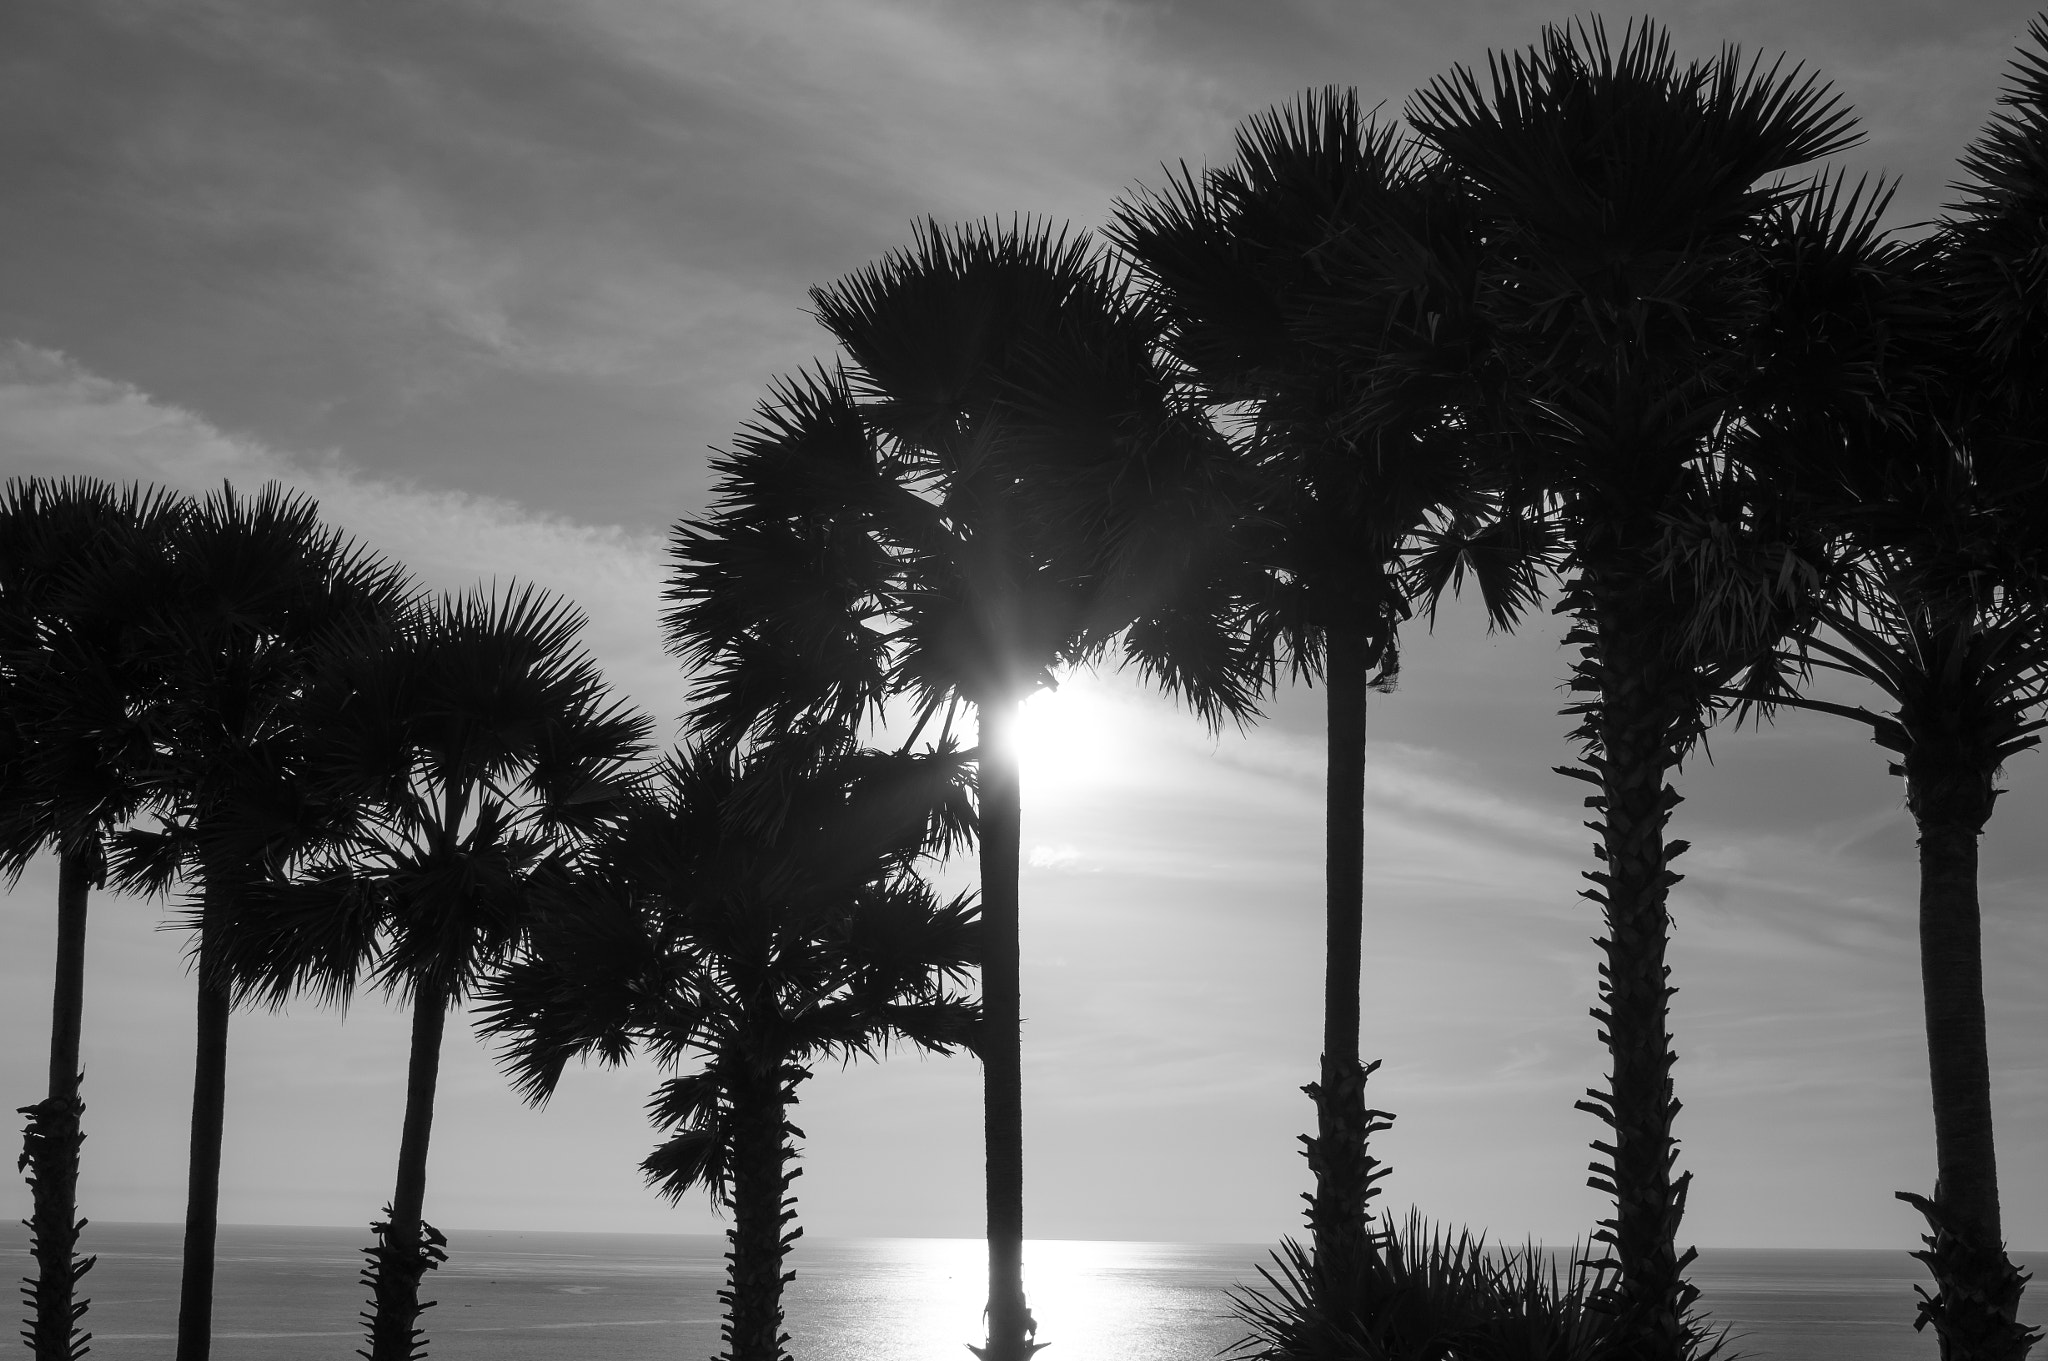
[(51, 1143), (761, 1205), (1010, 1325), (1643, 710), (67, 997), (407, 1246), (1344, 1170), (209, 1117), (1975, 1309)]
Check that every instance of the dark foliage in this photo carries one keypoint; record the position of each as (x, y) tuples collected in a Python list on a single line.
[(1428, 1294), (751, 917)]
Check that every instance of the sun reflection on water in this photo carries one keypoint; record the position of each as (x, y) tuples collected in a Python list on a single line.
[(920, 1299)]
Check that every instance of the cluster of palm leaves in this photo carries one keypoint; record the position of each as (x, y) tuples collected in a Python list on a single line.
[(758, 916), (349, 782), (1431, 1294), (1581, 319), (1576, 320)]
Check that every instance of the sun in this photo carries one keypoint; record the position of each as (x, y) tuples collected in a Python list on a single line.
[(1065, 737)]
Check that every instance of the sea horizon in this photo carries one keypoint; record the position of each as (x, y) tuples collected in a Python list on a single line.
[(290, 1293), (810, 1236)]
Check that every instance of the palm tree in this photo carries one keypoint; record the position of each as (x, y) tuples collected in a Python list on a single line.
[(964, 512), (1963, 674), (1294, 283), (254, 586), (481, 749), (1946, 614), (1623, 197), (756, 918), (79, 560)]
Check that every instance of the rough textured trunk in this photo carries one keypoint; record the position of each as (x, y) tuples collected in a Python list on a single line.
[(51, 1143), (1643, 710), (209, 1115), (1974, 1311), (407, 1246), (761, 1206), (1010, 1325), (1337, 1155)]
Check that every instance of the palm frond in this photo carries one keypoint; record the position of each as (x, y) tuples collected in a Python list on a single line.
[(1507, 554), (751, 912), (319, 932), (580, 988), (1996, 257), (700, 1151), (774, 597)]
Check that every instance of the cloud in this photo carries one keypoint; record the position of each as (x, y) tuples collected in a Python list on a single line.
[(490, 246), (58, 419), (486, 279)]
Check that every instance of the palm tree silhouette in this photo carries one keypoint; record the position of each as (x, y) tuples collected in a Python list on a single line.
[(1623, 201), (1294, 283), (755, 918), (965, 511), (481, 750), (254, 587), (1944, 612), (79, 560)]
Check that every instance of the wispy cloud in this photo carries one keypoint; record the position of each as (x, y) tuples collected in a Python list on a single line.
[(58, 419), (482, 245), (486, 280)]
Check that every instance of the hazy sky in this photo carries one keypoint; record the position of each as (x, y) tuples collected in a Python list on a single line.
[(488, 279)]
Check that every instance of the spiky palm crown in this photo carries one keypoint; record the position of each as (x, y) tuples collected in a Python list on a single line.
[(755, 918), (1623, 196), (1945, 607), (252, 588), (82, 562), (980, 498), (1658, 327), (1006, 371), (1994, 266), (780, 594), (1319, 285), (477, 750), (1998, 266)]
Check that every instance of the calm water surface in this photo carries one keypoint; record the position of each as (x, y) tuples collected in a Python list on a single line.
[(290, 1294)]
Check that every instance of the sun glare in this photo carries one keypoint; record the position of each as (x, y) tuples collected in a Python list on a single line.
[(1065, 737), (1094, 1299)]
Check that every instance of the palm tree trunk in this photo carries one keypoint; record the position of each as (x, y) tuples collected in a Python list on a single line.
[(760, 1207), (1975, 1312), (1010, 1325), (408, 1247), (1645, 706), (51, 1143), (209, 1115), (1337, 1155)]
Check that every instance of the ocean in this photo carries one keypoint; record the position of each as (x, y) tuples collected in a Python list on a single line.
[(290, 1294)]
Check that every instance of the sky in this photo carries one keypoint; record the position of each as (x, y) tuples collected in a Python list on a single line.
[(491, 280)]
